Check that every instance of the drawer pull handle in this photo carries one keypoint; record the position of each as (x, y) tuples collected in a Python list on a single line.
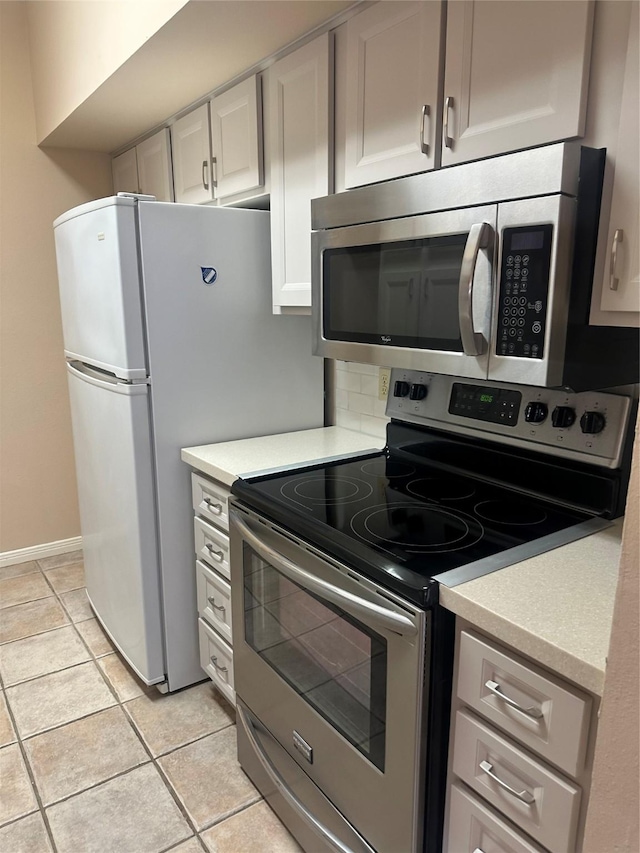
[(214, 661), (494, 687), (523, 796), (219, 555), (212, 506), (215, 606)]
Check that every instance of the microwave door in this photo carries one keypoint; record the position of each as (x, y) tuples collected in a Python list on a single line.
[(413, 292)]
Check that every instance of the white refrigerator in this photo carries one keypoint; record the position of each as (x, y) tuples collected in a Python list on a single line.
[(170, 342)]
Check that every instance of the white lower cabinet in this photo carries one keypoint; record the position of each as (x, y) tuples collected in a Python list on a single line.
[(213, 575), (474, 826), (519, 766)]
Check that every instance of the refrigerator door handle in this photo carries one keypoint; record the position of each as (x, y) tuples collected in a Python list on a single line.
[(105, 380)]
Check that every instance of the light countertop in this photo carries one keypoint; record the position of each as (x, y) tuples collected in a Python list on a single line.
[(228, 460), (557, 607)]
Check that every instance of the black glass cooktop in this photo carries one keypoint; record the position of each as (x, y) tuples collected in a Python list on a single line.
[(399, 522)]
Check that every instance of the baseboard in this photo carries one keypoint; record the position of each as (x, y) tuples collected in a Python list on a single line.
[(38, 552)]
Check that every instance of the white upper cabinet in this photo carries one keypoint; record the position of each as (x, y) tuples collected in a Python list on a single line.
[(392, 71), (516, 75), (154, 166), (191, 150), (124, 169), (298, 121), (146, 168), (621, 286), (236, 124)]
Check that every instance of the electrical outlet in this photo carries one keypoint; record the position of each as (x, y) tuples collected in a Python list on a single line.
[(384, 377)]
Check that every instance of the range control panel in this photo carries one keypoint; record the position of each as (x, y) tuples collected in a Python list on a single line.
[(524, 290), (590, 426)]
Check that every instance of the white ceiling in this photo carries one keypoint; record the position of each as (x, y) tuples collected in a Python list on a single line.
[(204, 46)]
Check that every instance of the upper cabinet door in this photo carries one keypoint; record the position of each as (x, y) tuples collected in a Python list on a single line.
[(299, 104), (236, 123), (516, 75), (124, 169), (392, 91), (191, 150), (621, 287), (154, 166)]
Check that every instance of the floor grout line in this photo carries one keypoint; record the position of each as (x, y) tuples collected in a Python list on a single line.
[(122, 704), (32, 779)]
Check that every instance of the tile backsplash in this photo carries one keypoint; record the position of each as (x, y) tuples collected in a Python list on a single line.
[(357, 403)]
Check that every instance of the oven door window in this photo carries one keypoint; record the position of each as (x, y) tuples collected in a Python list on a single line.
[(337, 664), (402, 293)]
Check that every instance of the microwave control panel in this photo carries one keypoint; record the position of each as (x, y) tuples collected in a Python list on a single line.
[(524, 291)]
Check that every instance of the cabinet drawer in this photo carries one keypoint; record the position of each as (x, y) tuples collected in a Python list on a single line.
[(552, 718), (474, 827), (541, 802), (214, 599), (212, 546), (216, 658), (210, 500)]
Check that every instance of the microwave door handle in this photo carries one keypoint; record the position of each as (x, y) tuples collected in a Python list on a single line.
[(480, 237), (374, 614)]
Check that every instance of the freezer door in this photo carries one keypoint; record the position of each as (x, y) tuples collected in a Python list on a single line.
[(99, 287), (111, 437)]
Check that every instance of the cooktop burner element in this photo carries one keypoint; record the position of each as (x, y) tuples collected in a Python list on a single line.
[(512, 512), (310, 491), (442, 489), (417, 529), (392, 469)]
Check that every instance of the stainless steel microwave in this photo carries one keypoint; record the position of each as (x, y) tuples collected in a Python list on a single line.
[(482, 270)]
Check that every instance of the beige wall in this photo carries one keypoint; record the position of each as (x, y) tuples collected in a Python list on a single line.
[(613, 817), (38, 501), (77, 46)]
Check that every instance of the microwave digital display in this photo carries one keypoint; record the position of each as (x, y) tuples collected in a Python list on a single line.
[(521, 240)]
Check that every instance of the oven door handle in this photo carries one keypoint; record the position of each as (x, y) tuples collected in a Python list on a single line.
[(373, 614), (480, 237), (290, 798)]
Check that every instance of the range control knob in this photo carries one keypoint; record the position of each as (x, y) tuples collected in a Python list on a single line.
[(536, 413), (592, 423), (418, 391), (563, 416), (401, 388)]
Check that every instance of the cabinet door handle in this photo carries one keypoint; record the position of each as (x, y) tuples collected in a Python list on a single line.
[(532, 711), (523, 796), (205, 169), (214, 552), (214, 661), (212, 506), (424, 145), (215, 606), (448, 106), (214, 172), (618, 238)]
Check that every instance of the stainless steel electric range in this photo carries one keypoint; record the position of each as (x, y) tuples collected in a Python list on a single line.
[(342, 655)]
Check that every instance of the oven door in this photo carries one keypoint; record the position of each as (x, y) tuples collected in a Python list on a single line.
[(332, 668), (414, 292)]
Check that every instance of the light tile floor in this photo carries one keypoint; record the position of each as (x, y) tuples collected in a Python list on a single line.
[(94, 761)]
